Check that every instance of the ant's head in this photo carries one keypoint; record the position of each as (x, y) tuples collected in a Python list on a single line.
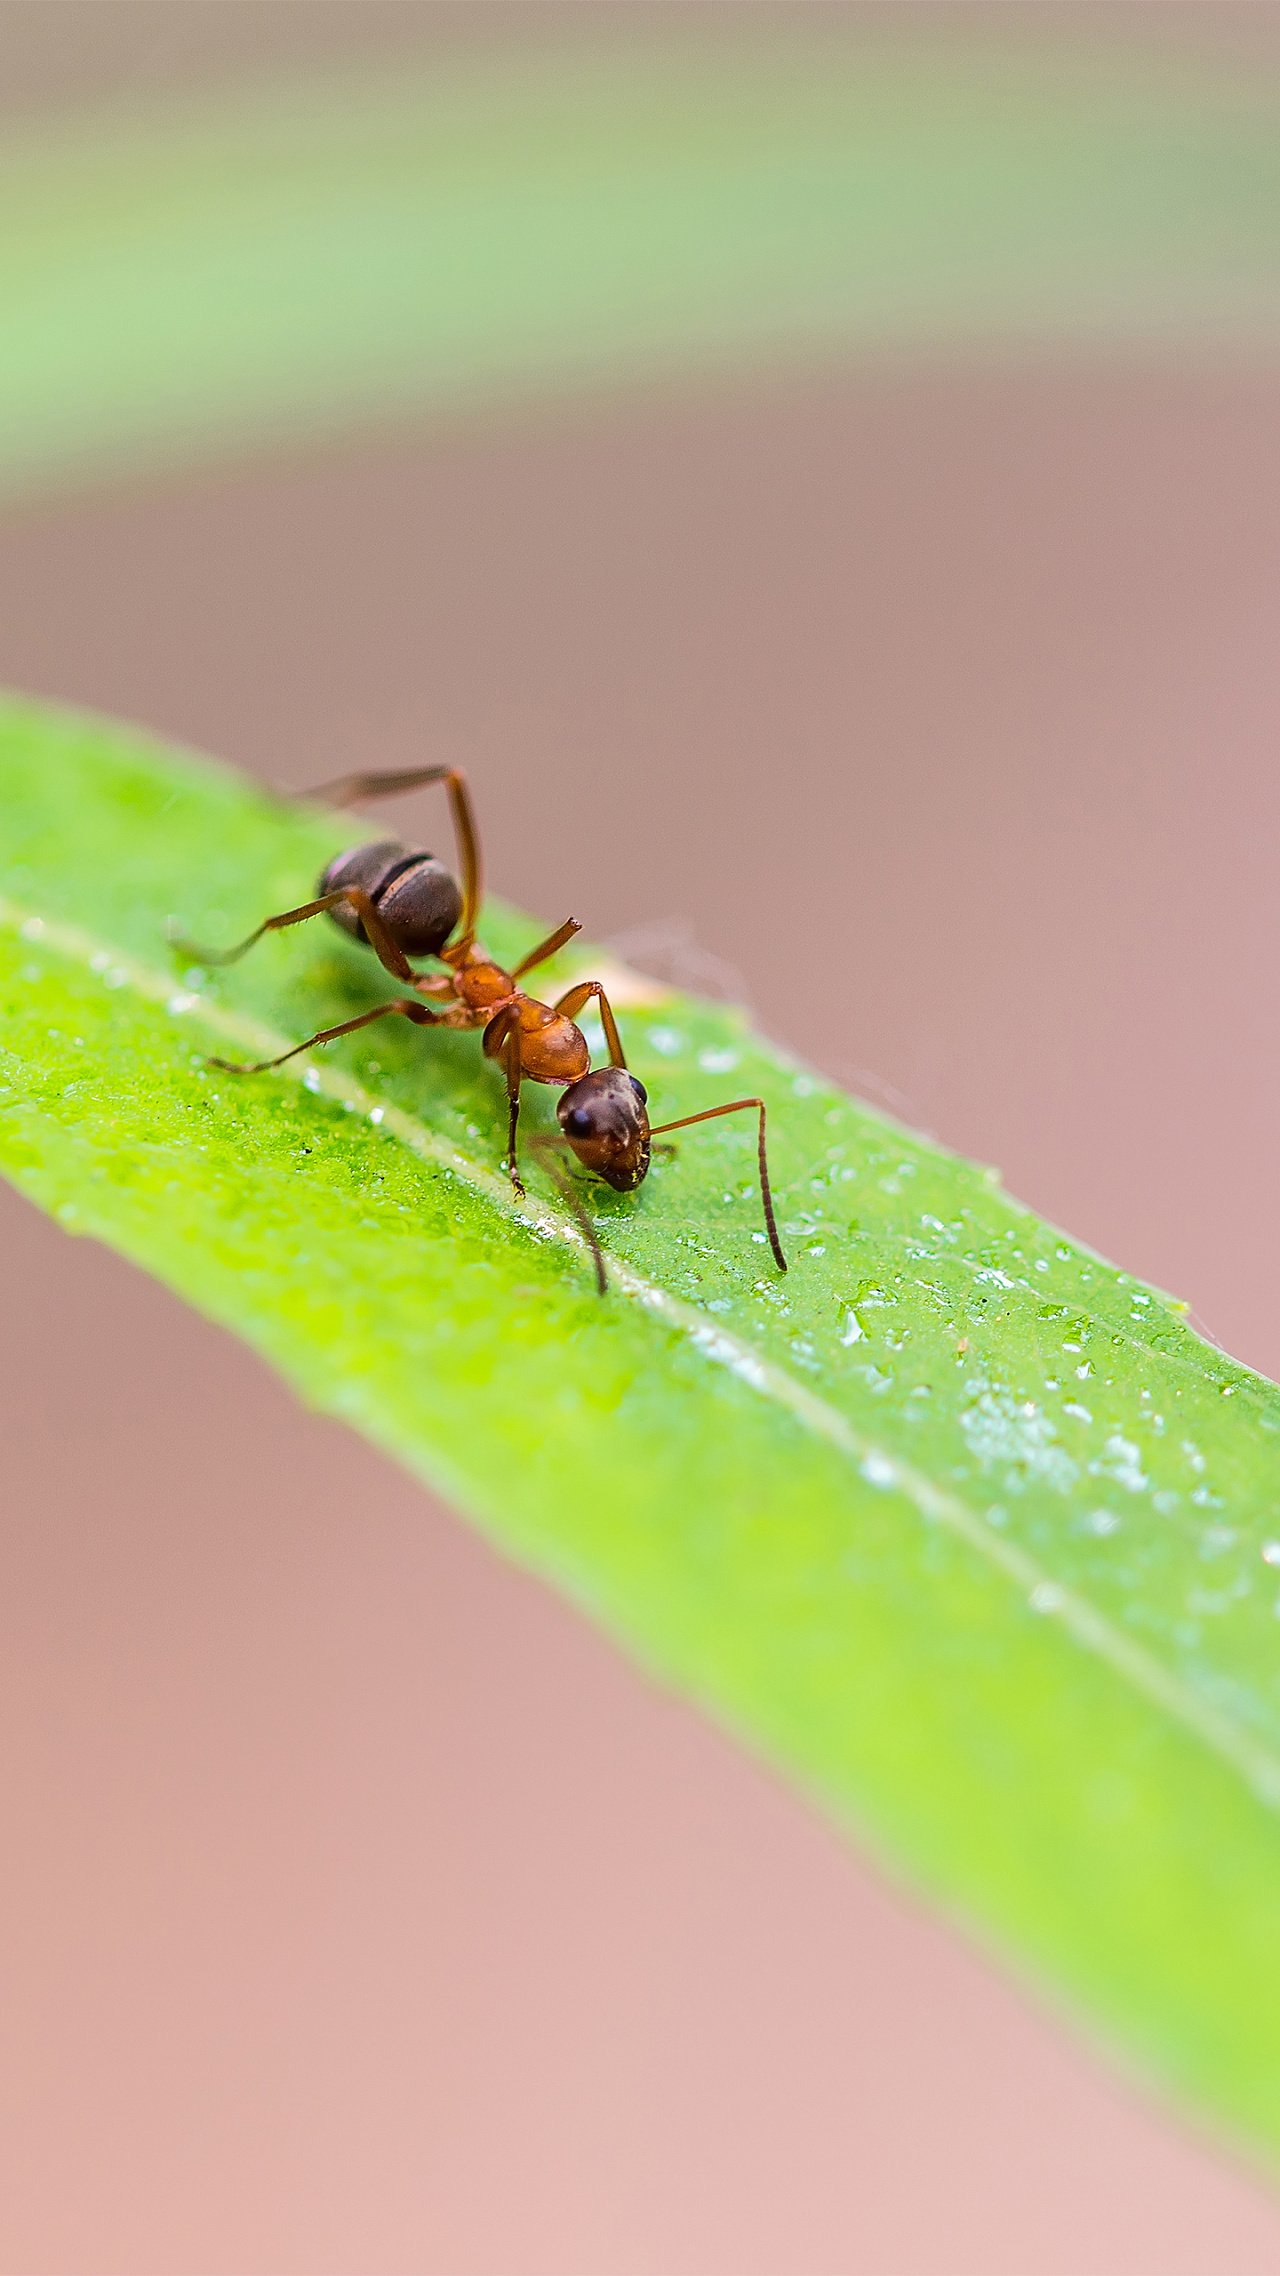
[(604, 1117)]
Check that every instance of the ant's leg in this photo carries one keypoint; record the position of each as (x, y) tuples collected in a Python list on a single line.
[(395, 960), (736, 1107), (571, 1003), (547, 947), (511, 1061), (354, 789), (546, 1145), (411, 1009), (501, 1041)]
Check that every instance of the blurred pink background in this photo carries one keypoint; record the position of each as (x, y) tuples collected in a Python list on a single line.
[(363, 1911)]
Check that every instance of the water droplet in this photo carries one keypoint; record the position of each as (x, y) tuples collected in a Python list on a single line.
[(1120, 1459), (668, 1041), (376, 1113), (854, 1332), (32, 930), (1016, 1434), (1045, 1597), (1271, 1552), (878, 1470), (311, 1079), (719, 1062), (1216, 1539), (803, 1086)]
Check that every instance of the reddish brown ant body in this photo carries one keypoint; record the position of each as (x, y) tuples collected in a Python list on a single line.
[(402, 902)]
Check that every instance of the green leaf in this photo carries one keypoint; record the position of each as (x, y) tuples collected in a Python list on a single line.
[(246, 266), (957, 1522)]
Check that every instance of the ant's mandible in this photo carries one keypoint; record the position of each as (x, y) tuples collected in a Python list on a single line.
[(401, 902)]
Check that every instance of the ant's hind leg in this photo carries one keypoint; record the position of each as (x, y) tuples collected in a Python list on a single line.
[(355, 789), (411, 1010), (394, 958)]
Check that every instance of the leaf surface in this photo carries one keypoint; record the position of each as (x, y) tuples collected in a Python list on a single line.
[(958, 1523), (250, 266)]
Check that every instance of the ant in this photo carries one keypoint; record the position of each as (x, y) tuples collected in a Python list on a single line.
[(401, 902)]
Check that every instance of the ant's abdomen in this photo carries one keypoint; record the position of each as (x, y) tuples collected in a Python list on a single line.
[(414, 894)]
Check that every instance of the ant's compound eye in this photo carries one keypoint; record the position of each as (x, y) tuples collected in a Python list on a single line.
[(640, 1091), (577, 1123)]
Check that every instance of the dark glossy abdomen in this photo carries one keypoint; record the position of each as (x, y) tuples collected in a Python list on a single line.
[(413, 893)]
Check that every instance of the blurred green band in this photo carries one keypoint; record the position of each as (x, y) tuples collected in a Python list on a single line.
[(210, 275)]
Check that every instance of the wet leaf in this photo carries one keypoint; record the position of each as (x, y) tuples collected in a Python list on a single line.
[(958, 1523)]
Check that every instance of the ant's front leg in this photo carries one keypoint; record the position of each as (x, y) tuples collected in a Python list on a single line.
[(502, 1041), (511, 1059), (547, 947), (571, 1003), (393, 957)]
